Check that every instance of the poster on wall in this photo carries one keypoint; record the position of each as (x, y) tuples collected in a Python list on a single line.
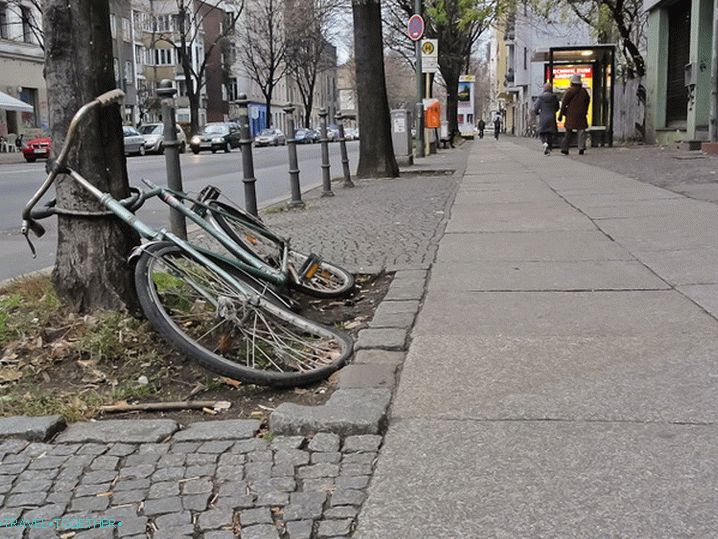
[(465, 108), (562, 81)]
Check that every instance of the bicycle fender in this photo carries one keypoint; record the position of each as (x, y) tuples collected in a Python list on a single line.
[(137, 251)]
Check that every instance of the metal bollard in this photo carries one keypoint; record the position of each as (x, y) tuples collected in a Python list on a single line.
[(166, 93), (326, 174), (345, 157), (250, 193), (296, 201)]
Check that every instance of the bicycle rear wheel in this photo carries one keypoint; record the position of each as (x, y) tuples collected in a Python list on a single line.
[(233, 332), (328, 281)]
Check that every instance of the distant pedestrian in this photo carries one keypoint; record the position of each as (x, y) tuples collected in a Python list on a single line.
[(497, 127), (482, 126), (18, 142), (546, 107), (575, 108)]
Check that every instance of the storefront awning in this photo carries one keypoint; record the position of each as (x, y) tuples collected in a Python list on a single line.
[(8, 102)]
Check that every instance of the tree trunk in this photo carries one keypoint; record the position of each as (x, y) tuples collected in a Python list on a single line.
[(91, 270), (268, 117), (376, 151), (452, 100), (193, 98)]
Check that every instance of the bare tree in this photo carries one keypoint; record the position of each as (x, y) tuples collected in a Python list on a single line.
[(91, 269), (310, 30), (29, 13), (263, 47), (186, 32), (376, 151)]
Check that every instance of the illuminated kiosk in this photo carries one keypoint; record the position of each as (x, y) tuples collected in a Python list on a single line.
[(596, 65)]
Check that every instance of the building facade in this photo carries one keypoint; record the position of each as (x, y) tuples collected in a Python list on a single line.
[(123, 58), (21, 68), (678, 73)]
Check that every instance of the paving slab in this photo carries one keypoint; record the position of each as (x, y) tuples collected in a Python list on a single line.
[(469, 479), (34, 429), (119, 431), (544, 275), (660, 378), (705, 295), (468, 219), (561, 313), (231, 429), (537, 245), (683, 266)]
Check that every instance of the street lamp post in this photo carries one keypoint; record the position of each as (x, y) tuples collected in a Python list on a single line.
[(166, 93), (419, 93), (250, 193)]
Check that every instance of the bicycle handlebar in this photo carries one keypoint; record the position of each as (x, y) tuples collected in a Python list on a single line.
[(110, 98)]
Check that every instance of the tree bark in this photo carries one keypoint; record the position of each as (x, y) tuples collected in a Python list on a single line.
[(452, 101), (91, 270), (376, 151)]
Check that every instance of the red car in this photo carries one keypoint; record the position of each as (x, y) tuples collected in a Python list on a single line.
[(37, 147)]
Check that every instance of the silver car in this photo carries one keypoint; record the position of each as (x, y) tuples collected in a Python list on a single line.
[(134, 142), (155, 138), (270, 137)]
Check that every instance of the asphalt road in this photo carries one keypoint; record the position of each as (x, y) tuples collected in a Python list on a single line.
[(19, 182)]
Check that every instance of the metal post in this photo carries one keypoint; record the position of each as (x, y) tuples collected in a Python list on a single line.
[(339, 117), (296, 201), (419, 93), (166, 93), (713, 125), (326, 174), (245, 143)]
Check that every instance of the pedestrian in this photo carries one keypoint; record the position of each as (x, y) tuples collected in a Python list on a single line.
[(546, 106), (18, 142), (574, 108), (482, 126), (497, 127)]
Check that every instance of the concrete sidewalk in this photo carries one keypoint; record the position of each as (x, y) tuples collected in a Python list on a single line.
[(562, 380)]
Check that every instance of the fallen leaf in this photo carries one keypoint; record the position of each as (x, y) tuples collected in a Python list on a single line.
[(8, 374), (221, 406), (231, 382)]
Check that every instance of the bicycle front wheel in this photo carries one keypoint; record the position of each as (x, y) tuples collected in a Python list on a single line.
[(235, 332), (328, 281)]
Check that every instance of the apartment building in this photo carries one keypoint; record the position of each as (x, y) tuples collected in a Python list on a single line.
[(21, 68), (123, 55)]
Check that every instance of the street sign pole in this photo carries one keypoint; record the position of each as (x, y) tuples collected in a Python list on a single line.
[(419, 82)]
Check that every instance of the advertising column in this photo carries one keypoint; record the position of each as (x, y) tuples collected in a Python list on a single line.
[(465, 109)]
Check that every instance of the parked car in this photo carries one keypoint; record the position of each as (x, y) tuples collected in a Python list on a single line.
[(305, 136), (155, 138), (332, 133), (216, 136), (270, 137), (37, 148), (351, 133), (134, 142)]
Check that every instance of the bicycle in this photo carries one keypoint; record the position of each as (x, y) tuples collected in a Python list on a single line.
[(215, 309)]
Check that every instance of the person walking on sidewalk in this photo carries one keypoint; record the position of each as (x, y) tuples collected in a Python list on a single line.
[(497, 126), (482, 126), (546, 107), (574, 108)]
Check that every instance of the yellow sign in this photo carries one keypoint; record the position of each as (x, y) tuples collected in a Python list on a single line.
[(427, 47)]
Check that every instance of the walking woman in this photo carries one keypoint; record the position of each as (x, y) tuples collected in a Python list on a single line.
[(546, 106)]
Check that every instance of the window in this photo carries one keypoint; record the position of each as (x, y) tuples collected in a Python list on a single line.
[(164, 57), (181, 88), (126, 29), (140, 54), (233, 89), (3, 21), (27, 22), (128, 71), (163, 23), (526, 58), (113, 25), (116, 65)]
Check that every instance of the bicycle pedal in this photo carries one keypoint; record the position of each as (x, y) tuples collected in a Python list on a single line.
[(310, 267)]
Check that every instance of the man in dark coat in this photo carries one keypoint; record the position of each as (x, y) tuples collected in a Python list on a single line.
[(482, 126), (546, 106), (574, 108), (497, 126)]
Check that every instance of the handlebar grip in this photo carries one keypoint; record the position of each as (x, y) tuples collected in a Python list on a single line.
[(36, 228), (42, 213), (111, 97)]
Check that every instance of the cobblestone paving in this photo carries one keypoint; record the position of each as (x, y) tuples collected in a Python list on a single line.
[(291, 487), (389, 224)]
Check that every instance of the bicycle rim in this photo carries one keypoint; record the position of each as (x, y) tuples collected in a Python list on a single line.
[(229, 331), (329, 281)]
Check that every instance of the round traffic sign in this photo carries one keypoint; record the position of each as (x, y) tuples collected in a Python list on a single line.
[(415, 27), (427, 48)]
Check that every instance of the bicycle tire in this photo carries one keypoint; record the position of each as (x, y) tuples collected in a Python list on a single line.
[(328, 282), (287, 350)]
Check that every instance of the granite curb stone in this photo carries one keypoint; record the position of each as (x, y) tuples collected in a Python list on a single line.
[(33, 429), (119, 430), (231, 429)]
